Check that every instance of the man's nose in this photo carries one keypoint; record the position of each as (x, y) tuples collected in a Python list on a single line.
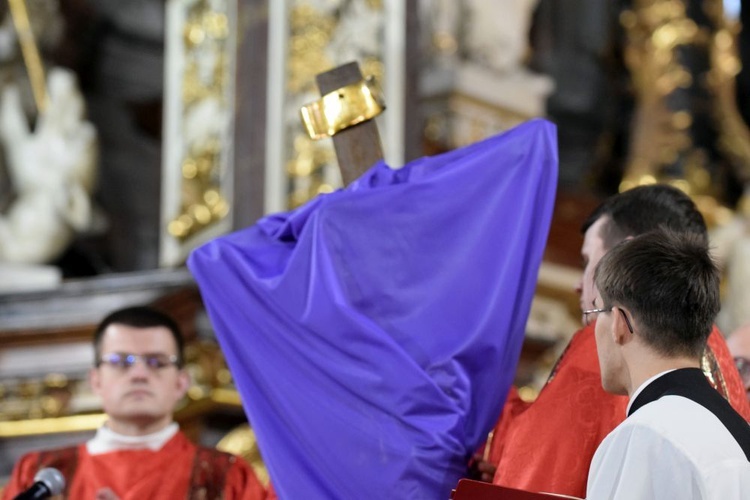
[(139, 369), (579, 286)]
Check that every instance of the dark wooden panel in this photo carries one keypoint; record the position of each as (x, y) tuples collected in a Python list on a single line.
[(250, 118), (413, 115)]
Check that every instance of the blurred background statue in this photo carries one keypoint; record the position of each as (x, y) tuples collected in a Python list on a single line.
[(476, 81), (493, 35), (52, 169), (49, 153)]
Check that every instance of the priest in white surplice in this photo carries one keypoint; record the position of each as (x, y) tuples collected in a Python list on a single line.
[(657, 297)]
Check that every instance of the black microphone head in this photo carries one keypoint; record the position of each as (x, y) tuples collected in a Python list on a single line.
[(52, 479)]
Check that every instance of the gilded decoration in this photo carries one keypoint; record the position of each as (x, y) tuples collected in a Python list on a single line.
[(323, 35), (241, 441), (661, 37), (712, 371), (734, 134), (656, 30), (207, 87)]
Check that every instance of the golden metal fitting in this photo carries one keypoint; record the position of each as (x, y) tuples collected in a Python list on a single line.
[(33, 61), (343, 108)]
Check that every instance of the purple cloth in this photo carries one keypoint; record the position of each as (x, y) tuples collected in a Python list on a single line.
[(374, 332)]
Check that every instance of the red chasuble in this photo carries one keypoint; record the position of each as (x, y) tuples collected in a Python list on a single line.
[(548, 445), (178, 470)]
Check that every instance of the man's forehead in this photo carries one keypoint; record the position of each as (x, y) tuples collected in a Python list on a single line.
[(118, 334), (592, 238)]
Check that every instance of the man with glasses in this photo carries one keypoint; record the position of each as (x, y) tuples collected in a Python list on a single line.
[(547, 445), (657, 296), (140, 451)]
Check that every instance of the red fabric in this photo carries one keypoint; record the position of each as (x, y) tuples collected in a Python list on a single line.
[(271, 493), (139, 474), (548, 445), (735, 388)]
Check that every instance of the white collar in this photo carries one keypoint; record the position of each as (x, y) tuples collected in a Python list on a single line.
[(107, 440), (643, 386)]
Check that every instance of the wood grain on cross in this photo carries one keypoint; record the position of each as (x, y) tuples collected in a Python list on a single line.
[(357, 147)]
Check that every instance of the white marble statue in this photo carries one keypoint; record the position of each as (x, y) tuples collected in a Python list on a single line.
[(497, 33), (493, 35), (358, 33), (52, 169)]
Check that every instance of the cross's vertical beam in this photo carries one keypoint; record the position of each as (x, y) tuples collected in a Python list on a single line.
[(357, 147)]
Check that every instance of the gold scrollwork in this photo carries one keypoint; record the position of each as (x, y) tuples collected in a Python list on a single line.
[(42, 397), (205, 80), (656, 30), (202, 201), (734, 133), (310, 33), (241, 441)]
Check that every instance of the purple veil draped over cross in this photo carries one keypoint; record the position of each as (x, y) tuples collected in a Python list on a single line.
[(374, 332)]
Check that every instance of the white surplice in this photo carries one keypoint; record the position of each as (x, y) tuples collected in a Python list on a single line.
[(671, 448)]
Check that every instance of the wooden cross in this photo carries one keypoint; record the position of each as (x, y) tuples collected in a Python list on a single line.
[(357, 147)]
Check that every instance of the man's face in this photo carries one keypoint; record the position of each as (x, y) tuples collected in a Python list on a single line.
[(611, 363), (138, 399), (592, 252)]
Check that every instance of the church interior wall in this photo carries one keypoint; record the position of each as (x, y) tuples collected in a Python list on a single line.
[(570, 61)]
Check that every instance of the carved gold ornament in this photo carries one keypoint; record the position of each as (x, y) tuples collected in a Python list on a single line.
[(206, 46), (655, 30), (241, 441), (734, 134)]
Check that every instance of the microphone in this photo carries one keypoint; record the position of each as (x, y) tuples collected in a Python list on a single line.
[(47, 482)]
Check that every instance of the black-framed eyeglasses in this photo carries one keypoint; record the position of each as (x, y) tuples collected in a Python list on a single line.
[(124, 360), (607, 309)]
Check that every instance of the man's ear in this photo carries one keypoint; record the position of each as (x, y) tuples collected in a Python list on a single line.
[(183, 382), (94, 381), (620, 331)]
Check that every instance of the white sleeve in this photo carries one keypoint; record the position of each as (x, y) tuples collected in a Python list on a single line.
[(636, 462)]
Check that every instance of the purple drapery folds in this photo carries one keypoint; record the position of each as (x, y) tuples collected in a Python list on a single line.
[(374, 332)]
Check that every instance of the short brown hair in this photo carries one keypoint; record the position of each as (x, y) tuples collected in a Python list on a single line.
[(647, 208), (141, 317), (669, 284)]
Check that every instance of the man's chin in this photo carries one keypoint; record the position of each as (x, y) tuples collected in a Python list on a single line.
[(141, 411), (614, 387), (141, 418)]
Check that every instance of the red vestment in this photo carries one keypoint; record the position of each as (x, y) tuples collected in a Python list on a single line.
[(547, 445), (178, 470)]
